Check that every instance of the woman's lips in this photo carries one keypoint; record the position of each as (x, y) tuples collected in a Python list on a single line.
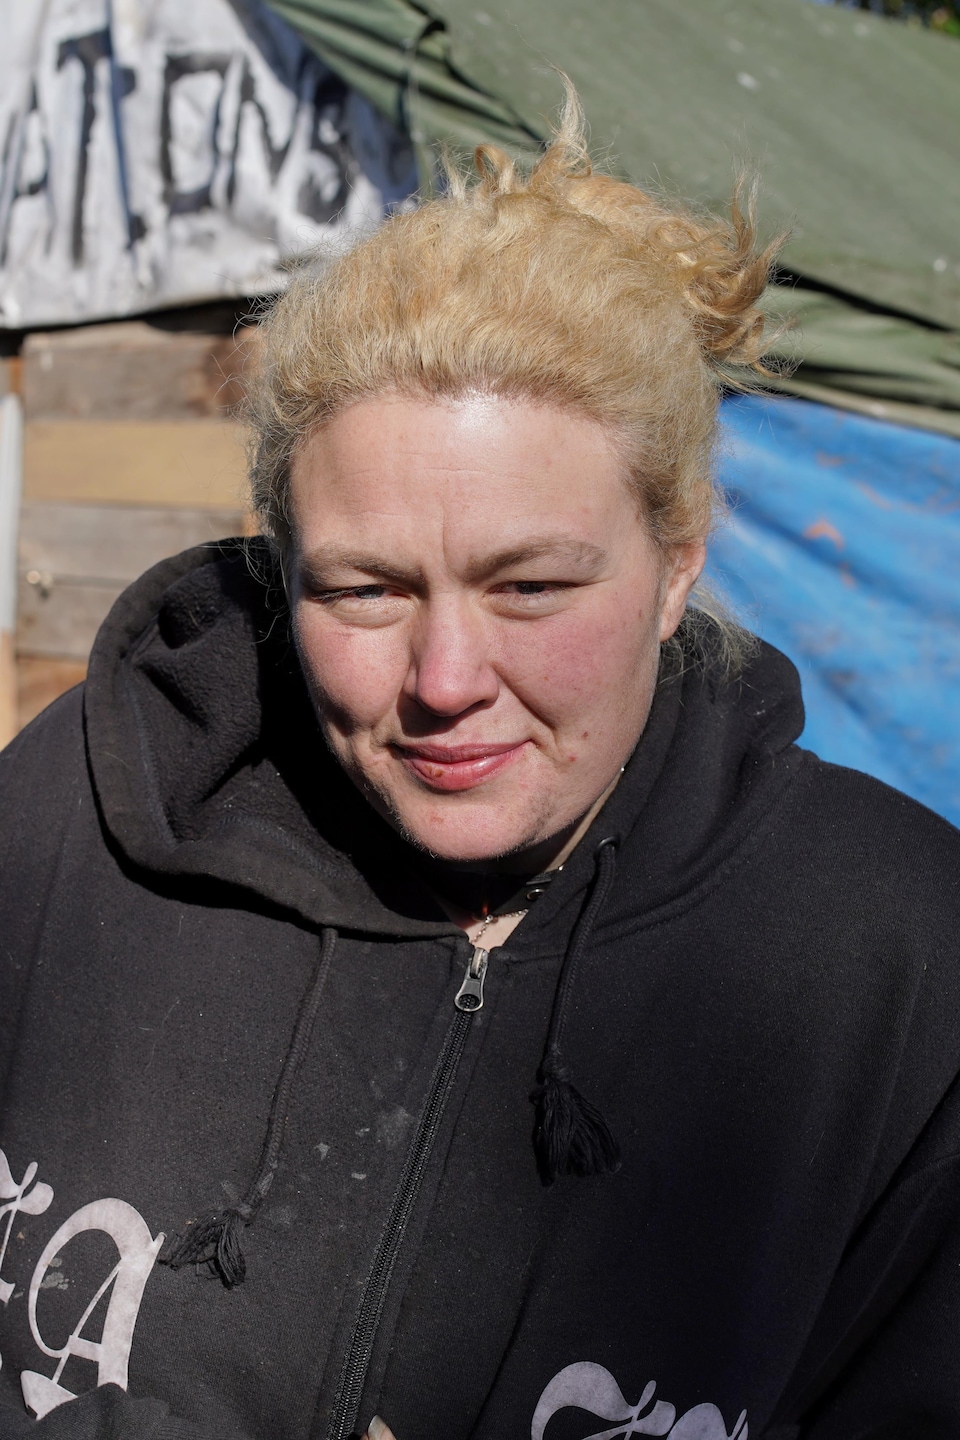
[(457, 767)]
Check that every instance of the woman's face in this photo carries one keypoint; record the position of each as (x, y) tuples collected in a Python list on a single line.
[(478, 609)]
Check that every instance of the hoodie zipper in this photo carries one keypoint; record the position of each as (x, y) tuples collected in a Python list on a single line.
[(468, 1000)]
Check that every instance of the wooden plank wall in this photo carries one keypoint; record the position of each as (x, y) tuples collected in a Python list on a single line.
[(132, 452)]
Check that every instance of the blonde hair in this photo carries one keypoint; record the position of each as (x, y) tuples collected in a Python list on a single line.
[(562, 287)]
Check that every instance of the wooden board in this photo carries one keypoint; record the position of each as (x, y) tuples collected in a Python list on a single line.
[(8, 688), (61, 623), (40, 682), (74, 560), (192, 463), (10, 371), (134, 371), (113, 542)]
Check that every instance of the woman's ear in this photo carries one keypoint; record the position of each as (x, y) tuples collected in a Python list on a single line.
[(682, 569)]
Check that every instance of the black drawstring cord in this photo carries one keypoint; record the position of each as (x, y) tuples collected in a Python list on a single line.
[(214, 1240), (570, 1136)]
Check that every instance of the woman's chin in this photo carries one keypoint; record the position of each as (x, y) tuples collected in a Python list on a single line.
[(468, 834)]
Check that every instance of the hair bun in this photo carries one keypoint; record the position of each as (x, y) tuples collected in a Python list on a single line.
[(718, 265)]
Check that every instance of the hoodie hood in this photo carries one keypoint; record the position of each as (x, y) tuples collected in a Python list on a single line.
[(209, 763), (207, 756)]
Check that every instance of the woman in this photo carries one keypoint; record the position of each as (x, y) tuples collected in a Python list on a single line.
[(426, 925)]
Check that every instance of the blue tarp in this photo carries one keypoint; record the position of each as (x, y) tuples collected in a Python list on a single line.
[(843, 550)]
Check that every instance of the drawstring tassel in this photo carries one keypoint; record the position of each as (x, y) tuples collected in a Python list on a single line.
[(571, 1136), (214, 1241)]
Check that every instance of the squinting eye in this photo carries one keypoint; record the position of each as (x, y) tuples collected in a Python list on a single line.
[(357, 592), (530, 597), (366, 592)]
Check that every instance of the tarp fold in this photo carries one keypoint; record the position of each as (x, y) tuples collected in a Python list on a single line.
[(849, 119)]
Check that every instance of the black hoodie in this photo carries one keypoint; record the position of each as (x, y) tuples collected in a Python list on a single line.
[(765, 1011)]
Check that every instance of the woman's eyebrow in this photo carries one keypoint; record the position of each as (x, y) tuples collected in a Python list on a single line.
[(323, 562), (562, 550)]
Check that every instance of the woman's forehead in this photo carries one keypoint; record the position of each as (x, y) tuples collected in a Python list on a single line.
[(481, 479), (407, 447)]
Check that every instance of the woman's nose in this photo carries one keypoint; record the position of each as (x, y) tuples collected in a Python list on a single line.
[(450, 669)]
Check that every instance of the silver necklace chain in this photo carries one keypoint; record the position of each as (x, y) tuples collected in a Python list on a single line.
[(489, 919)]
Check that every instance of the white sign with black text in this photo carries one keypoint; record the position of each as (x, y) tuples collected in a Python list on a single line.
[(164, 152)]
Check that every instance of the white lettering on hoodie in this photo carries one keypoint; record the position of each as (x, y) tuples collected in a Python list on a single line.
[(137, 1253), (592, 1388)]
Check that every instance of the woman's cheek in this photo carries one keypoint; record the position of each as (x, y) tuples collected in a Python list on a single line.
[(572, 662), (356, 675)]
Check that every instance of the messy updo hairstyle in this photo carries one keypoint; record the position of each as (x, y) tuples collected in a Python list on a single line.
[(562, 287)]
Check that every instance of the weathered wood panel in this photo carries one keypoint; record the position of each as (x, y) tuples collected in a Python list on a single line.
[(193, 463), (134, 371), (61, 622), (10, 371), (74, 560), (113, 542), (41, 681), (8, 688)]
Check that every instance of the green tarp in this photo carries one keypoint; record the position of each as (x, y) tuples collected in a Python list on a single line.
[(851, 121)]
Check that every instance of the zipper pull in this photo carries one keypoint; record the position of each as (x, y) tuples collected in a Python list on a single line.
[(470, 995)]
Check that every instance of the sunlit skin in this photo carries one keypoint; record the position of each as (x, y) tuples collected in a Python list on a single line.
[(478, 608)]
